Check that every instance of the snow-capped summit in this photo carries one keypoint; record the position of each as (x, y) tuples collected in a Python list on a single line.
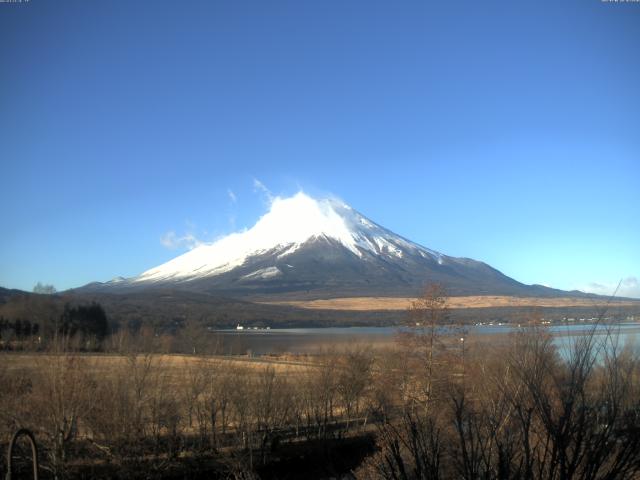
[(289, 224)]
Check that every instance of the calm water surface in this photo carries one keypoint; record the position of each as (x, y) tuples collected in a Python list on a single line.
[(313, 340)]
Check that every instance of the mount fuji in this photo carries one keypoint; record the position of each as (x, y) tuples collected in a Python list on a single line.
[(319, 248)]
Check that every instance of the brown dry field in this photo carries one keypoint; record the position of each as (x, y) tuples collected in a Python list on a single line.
[(402, 303), (174, 367)]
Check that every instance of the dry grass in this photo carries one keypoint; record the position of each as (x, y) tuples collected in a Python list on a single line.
[(173, 366), (402, 303)]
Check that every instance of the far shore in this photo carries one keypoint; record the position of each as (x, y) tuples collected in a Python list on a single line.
[(477, 301)]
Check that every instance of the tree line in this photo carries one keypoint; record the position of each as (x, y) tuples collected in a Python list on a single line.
[(438, 405), (85, 321)]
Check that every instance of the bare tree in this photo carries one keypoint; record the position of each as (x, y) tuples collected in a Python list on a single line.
[(410, 448), (428, 314), (44, 289), (584, 409), (320, 388), (271, 406), (353, 379), (61, 396)]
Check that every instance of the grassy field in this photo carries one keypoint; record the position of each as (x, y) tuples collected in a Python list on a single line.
[(488, 301), (174, 367)]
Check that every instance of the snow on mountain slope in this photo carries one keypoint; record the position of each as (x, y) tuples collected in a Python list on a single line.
[(290, 223)]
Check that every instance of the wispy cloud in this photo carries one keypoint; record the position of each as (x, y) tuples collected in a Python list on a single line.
[(629, 287), (173, 241), (260, 187), (194, 236)]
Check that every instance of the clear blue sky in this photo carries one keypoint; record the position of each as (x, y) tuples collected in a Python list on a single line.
[(508, 132)]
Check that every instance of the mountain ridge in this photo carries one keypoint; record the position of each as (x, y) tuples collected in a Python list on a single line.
[(307, 248)]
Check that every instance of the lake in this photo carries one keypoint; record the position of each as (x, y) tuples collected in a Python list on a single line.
[(313, 340)]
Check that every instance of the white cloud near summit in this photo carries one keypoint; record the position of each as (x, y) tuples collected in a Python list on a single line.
[(173, 241)]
